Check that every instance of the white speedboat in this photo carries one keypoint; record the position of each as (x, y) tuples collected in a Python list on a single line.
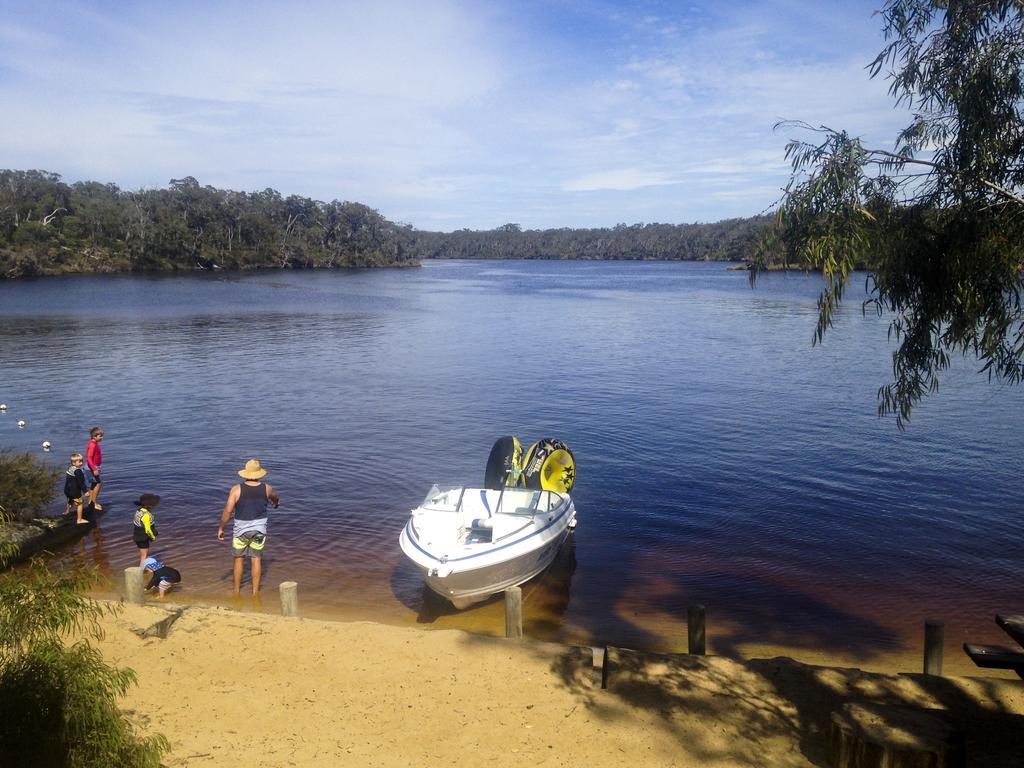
[(471, 543)]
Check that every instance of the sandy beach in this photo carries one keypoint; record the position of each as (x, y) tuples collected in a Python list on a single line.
[(231, 688)]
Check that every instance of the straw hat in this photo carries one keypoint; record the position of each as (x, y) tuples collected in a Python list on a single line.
[(148, 500), (252, 471)]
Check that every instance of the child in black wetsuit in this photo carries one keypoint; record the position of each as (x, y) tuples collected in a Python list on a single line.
[(162, 578), (75, 488)]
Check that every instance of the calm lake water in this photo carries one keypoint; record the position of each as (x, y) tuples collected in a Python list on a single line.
[(721, 458)]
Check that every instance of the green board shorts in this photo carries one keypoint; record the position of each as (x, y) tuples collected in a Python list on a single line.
[(249, 544)]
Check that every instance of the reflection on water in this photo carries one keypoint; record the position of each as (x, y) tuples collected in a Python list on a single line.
[(93, 550), (721, 459), (548, 596)]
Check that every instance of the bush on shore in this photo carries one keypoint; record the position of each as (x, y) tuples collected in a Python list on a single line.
[(58, 700), (27, 485)]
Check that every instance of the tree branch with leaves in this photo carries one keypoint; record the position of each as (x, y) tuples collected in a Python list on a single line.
[(938, 219)]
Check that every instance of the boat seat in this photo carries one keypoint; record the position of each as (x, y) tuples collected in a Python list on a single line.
[(481, 529)]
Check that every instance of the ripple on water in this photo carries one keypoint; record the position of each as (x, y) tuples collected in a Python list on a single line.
[(721, 457)]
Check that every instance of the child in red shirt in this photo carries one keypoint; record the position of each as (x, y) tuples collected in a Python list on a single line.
[(93, 459)]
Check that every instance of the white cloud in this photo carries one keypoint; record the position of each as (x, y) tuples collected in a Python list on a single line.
[(659, 71), (440, 113), (623, 179)]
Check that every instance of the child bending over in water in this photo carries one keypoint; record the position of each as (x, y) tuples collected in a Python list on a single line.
[(163, 576)]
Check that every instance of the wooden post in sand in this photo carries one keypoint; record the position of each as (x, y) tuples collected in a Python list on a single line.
[(933, 641), (695, 636), (599, 666), (514, 613), (133, 591), (289, 598)]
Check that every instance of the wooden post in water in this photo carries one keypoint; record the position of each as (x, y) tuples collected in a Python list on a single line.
[(133, 589), (933, 641), (289, 598), (695, 630), (514, 613), (695, 634)]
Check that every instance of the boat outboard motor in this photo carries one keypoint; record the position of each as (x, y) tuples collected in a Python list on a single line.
[(549, 466), (503, 463)]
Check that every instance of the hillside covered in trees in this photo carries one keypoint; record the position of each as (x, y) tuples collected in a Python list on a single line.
[(49, 227), (728, 240)]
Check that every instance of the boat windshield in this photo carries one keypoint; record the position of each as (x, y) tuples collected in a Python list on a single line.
[(487, 502), (517, 501), (438, 495)]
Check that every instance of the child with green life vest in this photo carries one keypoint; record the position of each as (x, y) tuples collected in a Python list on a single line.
[(144, 531)]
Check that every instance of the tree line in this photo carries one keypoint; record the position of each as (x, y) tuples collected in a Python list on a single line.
[(728, 240), (49, 227)]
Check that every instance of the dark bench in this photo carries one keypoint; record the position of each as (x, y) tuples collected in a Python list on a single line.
[(1012, 625), (995, 656), (999, 656)]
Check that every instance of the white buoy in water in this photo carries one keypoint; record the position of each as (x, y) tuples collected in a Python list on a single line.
[(46, 445), (3, 406), (21, 423)]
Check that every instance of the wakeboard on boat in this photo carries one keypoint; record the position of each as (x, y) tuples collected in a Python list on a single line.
[(473, 542)]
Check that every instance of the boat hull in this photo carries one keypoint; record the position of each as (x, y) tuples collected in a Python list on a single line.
[(471, 587), (471, 574)]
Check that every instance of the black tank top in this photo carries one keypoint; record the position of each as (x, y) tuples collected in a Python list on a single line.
[(252, 503)]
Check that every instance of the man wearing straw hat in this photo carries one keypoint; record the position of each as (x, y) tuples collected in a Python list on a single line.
[(248, 502)]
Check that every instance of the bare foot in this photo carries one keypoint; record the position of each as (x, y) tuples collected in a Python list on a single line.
[(82, 522), (98, 507)]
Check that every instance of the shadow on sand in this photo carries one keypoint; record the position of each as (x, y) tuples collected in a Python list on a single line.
[(777, 712)]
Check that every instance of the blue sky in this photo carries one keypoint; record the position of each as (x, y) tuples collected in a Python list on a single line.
[(442, 114)]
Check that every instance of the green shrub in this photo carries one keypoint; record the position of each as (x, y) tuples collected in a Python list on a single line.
[(20, 263), (27, 485), (59, 708), (31, 232), (58, 702)]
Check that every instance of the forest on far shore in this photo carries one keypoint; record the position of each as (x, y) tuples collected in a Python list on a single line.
[(49, 227)]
